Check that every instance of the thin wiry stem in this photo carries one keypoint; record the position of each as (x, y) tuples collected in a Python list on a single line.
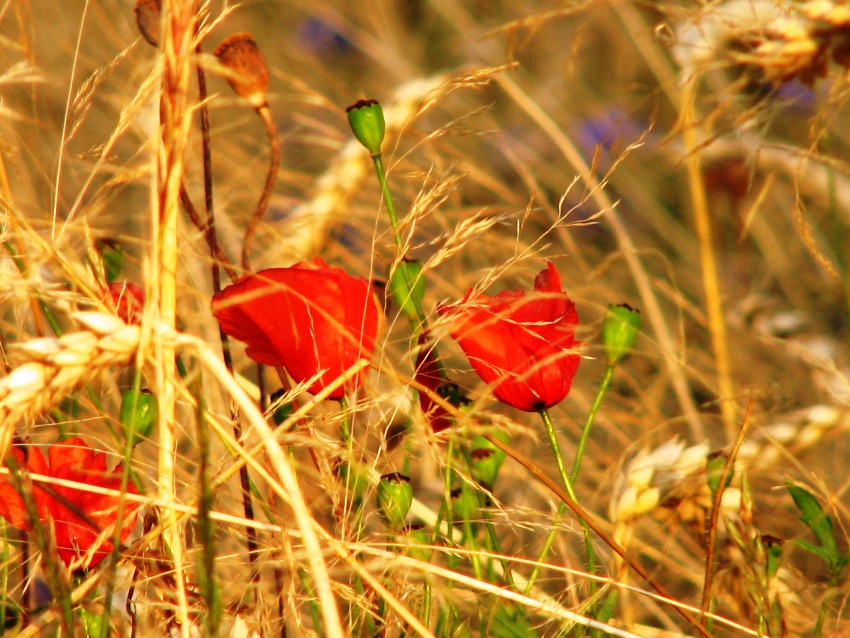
[(274, 162), (218, 258)]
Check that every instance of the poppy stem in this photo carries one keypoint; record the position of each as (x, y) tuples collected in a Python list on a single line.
[(568, 486), (274, 163), (388, 201), (556, 450), (582, 445), (591, 417)]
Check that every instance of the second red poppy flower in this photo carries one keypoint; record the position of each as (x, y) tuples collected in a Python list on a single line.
[(522, 344), (308, 318)]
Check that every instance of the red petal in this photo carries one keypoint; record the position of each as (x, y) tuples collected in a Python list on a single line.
[(12, 506), (308, 318), (521, 344)]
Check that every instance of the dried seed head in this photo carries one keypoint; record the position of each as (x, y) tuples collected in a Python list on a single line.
[(247, 73), (147, 17)]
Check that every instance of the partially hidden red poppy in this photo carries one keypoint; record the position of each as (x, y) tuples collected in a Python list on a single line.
[(427, 374), (127, 300), (78, 516), (523, 345), (309, 318)]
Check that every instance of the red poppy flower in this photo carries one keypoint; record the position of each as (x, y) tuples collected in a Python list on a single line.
[(78, 517), (523, 345), (127, 300), (308, 318)]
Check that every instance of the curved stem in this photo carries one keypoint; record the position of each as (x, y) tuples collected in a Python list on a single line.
[(591, 417), (274, 162), (556, 450), (582, 444)]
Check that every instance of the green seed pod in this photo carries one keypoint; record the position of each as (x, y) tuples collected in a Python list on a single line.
[(395, 494), (620, 329), (486, 459), (139, 411), (366, 118), (407, 286)]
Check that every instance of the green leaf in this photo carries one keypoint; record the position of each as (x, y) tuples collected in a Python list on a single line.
[(812, 514), (815, 519)]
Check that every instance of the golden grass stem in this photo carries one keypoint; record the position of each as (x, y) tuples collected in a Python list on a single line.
[(708, 263), (177, 49)]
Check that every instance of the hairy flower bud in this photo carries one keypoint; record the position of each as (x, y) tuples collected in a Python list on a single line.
[(620, 329), (138, 415), (366, 118), (395, 495), (247, 72), (407, 287)]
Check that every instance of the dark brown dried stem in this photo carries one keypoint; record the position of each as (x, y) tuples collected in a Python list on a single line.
[(274, 162), (218, 258)]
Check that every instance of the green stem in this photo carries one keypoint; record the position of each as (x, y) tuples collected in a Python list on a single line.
[(582, 445), (568, 486), (591, 417), (556, 450), (388, 200)]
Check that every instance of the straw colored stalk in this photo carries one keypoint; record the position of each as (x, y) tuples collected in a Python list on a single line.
[(177, 49)]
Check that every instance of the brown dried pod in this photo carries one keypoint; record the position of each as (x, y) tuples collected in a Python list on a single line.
[(247, 74), (147, 17)]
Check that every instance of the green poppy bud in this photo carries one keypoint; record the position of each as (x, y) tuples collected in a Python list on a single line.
[(407, 286), (486, 459), (139, 411), (112, 257), (355, 478), (620, 329), (283, 411), (366, 118), (464, 503), (773, 549), (395, 494)]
